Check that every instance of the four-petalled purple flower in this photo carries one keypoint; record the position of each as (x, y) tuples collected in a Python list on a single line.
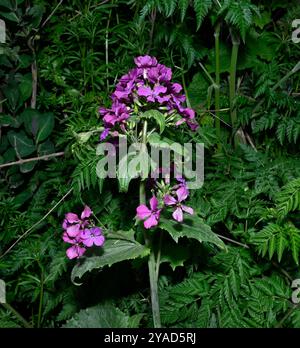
[(182, 194), (151, 216), (81, 233)]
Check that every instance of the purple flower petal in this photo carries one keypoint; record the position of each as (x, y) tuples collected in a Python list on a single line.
[(104, 134), (153, 203), (151, 221), (176, 88), (145, 61), (71, 218), (65, 224), (177, 214), (67, 239), (73, 230), (99, 241), (143, 212), (75, 251), (144, 91), (182, 193), (87, 212), (169, 200), (188, 210)]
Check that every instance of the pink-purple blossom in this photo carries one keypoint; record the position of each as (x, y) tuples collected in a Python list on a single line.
[(182, 194), (92, 236), (148, 82), (81, 233), (150, 216)]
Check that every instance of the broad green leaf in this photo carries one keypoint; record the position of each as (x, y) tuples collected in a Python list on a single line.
[(27, 167), (25, 87), (12, 93), (101, 316), (113, 251), (46, 148), (45, 127), (191, 227), (7, 120), (157, 116), (21, 143), (175, 255), (31, 119), (11, 16)]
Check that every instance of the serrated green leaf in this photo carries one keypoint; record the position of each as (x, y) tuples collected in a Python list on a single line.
[(157, 116), (100, 316), (191, 227), (113, 251)]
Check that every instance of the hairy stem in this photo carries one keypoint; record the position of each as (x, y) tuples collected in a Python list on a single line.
[(232, 78), (41, 297), (153, 274), (16, 314), (217, 85)]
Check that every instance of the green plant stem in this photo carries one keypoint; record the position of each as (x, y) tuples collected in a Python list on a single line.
[(188, 103), (217, 85), (17, 315), (152, 267), (232, 78), (41, 297)]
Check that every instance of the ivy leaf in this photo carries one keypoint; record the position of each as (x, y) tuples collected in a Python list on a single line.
[(113, 251), (21, 143), (27, 167), (46, 127), (25, 87), (37, 124), (191, 227)]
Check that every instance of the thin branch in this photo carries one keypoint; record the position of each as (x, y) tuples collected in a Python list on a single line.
[(35, 225), (51, 14), (26, 160), (17, 315), (233, 241), (34, 83)]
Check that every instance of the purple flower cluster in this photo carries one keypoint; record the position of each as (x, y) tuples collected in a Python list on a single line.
[(81, 233), (148, 84), (175, 198)]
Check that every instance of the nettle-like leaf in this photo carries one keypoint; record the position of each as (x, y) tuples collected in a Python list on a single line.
[(157, 116), (192, 227), (113, 251), (101, 316)]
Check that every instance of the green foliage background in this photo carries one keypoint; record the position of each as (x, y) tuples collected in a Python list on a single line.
[(72, 52)]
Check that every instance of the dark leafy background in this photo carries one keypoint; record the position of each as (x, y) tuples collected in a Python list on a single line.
[(71, 53)]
